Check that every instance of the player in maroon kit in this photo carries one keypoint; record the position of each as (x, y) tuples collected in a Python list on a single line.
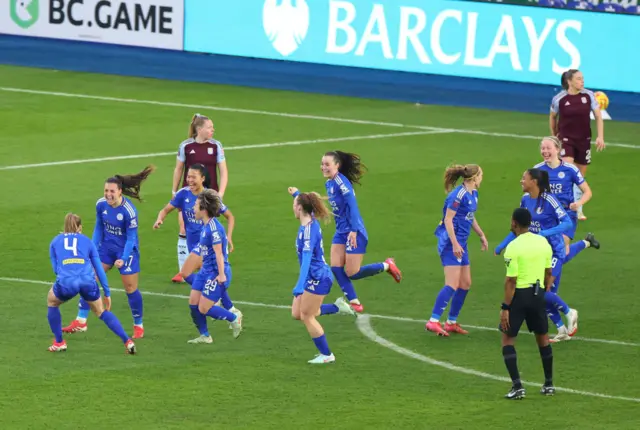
[(199, 148), (570, 120)]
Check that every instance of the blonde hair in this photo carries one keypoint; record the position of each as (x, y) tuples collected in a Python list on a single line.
[(196, 122), (457, 171), (556, 142), (313, 204), (72, 223)]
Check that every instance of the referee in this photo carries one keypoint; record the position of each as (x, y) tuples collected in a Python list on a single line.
[(528, 260)]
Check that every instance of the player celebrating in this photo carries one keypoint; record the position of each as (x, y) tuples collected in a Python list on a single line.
[(212, 281), (199, 148), (315, 280), (563, 176), (116, 237), (570, 120), (349, 243), (75, 263), (550, 220), (458, 219)]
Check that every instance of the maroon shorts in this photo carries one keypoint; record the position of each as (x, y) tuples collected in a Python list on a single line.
[(578, 149)]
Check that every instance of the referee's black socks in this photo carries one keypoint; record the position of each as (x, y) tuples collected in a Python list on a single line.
[(511, 360), (546, 353)]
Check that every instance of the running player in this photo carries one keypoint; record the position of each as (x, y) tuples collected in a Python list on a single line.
[(315, 279), (550, 220), (116, 237), (75, 263), (570, 121), (199, 148), (349, 243), (458, 219)]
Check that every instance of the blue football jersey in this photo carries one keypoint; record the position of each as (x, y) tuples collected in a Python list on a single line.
[(74, 257), (185, 200), (118, 226), (213, 233), (342, 199), (545, 215), (465, 204), (562, 179), (309, 240)]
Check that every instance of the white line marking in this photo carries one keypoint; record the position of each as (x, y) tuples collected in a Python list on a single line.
[(364, 325), (286, 115), (229, 148), (267, 305)]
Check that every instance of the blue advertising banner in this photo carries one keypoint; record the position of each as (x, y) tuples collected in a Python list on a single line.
[(441, 37)]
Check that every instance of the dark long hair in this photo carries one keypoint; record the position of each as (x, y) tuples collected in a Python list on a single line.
[(566, 77), (542, 180), (203, 172), (349, 165), (130, 184)]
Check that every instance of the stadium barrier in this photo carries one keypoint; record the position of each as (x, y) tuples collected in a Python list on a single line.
[(354, 48)]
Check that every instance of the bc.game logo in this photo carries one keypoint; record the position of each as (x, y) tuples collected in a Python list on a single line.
[(285, 25), (24, 12)]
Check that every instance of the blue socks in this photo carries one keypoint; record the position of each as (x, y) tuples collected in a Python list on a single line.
[(199, 320), (344, 282), (218, 313), (456, 303), (135, 303), (442, 301), (226, 300), (575, 249), (114, 325), (55, 322), (322, 345), (554, 300), (328, 309), (83, 309), (554, 315), (368, 270)]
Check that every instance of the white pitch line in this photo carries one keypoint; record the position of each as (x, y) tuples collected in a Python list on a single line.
[(267, 305), (363, 323), (285, 115), (229, 148)]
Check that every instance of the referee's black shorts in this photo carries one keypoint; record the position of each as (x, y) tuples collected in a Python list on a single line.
[(530, 308)]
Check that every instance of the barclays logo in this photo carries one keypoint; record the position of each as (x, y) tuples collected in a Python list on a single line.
[(285, 25)]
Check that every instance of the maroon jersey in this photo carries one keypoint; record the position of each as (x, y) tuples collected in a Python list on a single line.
[(574, 112), (208, 153)]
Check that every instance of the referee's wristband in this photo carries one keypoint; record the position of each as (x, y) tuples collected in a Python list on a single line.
[(505, 307)]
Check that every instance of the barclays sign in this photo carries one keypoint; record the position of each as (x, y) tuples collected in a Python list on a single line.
[(438, 37)]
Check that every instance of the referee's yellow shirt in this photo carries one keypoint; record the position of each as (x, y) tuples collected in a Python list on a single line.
[(526, 258)]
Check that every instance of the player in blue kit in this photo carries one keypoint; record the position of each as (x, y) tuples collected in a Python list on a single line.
[(184, 200), (563, 178), (458, 219), (212, 281), (315, 279), (116, 237), (75, 262), (548, 219), (349, 243)]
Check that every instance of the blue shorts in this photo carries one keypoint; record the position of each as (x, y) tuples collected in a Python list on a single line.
[(193, 240), (200, 282), (557, 260), (449, 259), (66, 289), (574, 220), (320, 287), (361, 241), (131, 265)]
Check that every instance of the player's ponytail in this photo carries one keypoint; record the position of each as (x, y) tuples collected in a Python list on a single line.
[(203, 172), (542, 182), (130, 184), (196, 123), (457, 171), (313, 204), (349, 165), (211, 202), (72, 223)]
